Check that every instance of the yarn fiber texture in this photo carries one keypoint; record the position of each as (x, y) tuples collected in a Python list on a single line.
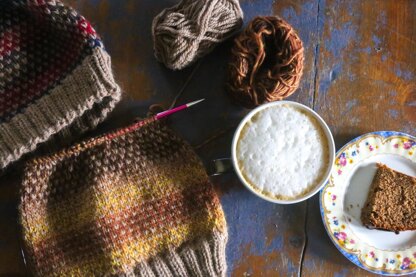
[(133, 202), (55, 76), (192, 28), (266, 62)]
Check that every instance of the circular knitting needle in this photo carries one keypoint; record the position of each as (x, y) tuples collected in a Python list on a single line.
[(177, 109)]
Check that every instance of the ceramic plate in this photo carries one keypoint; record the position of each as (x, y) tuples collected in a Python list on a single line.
[(344, 195)]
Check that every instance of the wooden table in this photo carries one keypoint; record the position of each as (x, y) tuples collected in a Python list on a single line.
[(360, 73)]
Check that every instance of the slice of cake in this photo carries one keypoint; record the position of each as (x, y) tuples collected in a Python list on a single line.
[(391, 201)]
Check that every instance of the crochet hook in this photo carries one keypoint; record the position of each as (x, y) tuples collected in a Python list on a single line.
[(177, 109)]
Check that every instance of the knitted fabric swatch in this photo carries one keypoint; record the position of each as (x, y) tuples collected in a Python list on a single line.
[(192, 28), (55, 77), (135, 202)]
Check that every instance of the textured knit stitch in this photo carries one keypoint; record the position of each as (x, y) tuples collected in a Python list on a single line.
[(192, 28), (55, 77), (134, 202)]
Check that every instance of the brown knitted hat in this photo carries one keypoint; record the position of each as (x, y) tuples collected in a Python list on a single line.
[(134, 202), (55, 76)]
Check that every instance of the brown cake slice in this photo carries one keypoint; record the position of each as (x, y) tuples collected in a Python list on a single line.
[(391, 201)]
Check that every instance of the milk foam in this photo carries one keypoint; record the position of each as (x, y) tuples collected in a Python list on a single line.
[(282, 152)]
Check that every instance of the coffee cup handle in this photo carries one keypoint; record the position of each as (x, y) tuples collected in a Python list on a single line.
[(219, 166)]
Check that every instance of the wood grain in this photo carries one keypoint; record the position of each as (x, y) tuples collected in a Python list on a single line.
[(359, 75), (365, 82)]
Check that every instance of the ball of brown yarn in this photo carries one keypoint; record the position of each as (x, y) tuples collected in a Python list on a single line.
[(192, 28), (266, 63)]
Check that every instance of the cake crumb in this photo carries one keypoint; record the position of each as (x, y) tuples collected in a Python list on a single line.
[(391, 201)]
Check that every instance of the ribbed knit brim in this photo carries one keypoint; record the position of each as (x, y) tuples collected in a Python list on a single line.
[(55, 76), (82, 100), (134, 202), (204, 257)]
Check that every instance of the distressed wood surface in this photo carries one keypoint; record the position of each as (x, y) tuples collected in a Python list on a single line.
[(359, 75), (366, 72)]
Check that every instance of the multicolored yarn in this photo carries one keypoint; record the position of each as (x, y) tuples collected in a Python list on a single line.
[(55, 77), (135, 202)]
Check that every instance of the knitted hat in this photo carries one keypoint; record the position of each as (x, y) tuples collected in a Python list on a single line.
[(55, 77), (134, 202)]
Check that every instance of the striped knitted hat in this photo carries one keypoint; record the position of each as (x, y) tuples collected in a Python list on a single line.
[(136, 202), (55, 77)]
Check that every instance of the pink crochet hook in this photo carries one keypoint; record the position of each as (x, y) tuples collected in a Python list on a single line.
[(177, 109)]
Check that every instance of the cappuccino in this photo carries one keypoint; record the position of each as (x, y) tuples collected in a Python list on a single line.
[(282, 152)]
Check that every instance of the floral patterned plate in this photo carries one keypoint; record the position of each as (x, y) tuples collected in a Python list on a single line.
[(344, 195)]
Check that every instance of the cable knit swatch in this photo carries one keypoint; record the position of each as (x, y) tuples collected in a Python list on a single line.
[(135, 202), (55, 77), (192, 28)]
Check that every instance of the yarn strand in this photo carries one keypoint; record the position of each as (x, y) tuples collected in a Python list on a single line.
[(266, 63)]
